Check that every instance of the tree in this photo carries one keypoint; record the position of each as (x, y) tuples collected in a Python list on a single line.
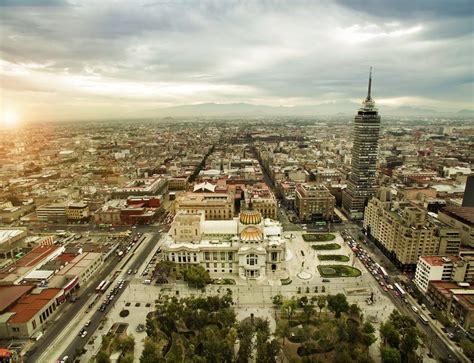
[(278, 301), (290, 306), (409, 341), (151, 352), (102, 357), (308, 311), (245, 333), (197, 276), (390, 355), (283, 330), (354, 310), (390, 334), (467, 347), (338, 304), (321, 301), (162, 271)]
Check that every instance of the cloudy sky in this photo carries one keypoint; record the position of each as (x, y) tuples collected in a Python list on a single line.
[(94, 59)]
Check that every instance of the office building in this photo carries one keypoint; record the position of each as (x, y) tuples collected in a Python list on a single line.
[(361, 182)]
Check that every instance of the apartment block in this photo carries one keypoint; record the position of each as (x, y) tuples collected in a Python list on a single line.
[(404, 232)]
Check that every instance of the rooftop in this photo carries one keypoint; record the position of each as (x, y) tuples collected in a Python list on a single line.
[(464, 214), (28, 306), (10, 294), (438, 260)]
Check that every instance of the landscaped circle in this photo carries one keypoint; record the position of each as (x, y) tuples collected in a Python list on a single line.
[(124, 313), (338, 271)]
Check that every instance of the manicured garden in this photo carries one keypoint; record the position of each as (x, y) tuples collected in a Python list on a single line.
[(318, 237), (326, 246), (338, 271), (340, 258)]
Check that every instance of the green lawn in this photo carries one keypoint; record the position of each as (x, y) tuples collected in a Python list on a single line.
[(318, 237), (326, 246), (340, 258), (338, 271)]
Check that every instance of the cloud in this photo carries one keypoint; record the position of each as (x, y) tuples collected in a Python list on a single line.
[(145, 53)]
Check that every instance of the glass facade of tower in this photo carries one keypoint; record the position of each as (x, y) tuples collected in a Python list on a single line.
[(361, 182)]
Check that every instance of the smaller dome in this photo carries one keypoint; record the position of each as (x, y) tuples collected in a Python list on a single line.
[(250, 217), (251, 234)]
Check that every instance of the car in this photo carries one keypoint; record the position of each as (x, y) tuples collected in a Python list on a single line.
[(129, 272), (326, 280), (65, 359), (135, 271), (87, 323), (84, 333), (385, 289)]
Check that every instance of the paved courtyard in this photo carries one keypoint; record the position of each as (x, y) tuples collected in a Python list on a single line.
[(255, 297)]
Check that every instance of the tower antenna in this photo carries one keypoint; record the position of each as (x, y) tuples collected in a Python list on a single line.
[(369, 98)]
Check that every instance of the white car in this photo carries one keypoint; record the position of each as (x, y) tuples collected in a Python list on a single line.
[(65, 359), (84, 333)]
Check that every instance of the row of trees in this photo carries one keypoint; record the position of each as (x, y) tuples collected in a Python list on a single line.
[(113, 343), (343, 331), (204, 329), (400, 339)]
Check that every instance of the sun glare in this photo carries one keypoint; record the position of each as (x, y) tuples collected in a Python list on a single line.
[(10, 118)]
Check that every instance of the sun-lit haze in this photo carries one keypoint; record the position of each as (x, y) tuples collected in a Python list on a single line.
[(89, 59)]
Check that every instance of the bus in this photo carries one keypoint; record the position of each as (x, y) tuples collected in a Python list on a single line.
[(399, 289), (105, 286), (98, 289), (423, 319)]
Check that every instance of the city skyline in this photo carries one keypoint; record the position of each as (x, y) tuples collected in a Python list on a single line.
[(64, 60)]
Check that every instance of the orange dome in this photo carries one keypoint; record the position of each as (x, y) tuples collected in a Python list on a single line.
[(250, 217), (251, 234)]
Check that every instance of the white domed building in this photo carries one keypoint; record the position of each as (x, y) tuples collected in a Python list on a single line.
[(249, 245)]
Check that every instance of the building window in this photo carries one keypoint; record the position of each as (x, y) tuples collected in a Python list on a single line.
[(252, 259)]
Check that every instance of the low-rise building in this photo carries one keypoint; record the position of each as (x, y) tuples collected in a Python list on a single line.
[(456, 299), (216, 206), (443, 268), (77, 211), (461, 218), (55, 212), (30, 313), (314, 201)]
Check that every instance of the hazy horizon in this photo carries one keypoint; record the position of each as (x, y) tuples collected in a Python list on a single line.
[(64, 60)]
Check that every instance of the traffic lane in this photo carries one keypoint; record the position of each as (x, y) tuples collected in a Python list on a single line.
[(409, 312), (80, 343), (69, 314), (438, 346)]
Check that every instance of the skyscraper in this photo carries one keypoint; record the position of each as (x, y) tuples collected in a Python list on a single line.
[(361, 182)]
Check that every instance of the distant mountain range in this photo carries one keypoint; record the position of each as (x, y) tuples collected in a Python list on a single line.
[(328, 109)]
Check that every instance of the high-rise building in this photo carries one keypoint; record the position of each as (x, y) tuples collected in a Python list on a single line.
[(361, 182)]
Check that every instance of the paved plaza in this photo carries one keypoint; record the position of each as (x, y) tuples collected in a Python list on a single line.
[(255, 296)]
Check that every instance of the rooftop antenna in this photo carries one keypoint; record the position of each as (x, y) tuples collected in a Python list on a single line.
[(369, 98)]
